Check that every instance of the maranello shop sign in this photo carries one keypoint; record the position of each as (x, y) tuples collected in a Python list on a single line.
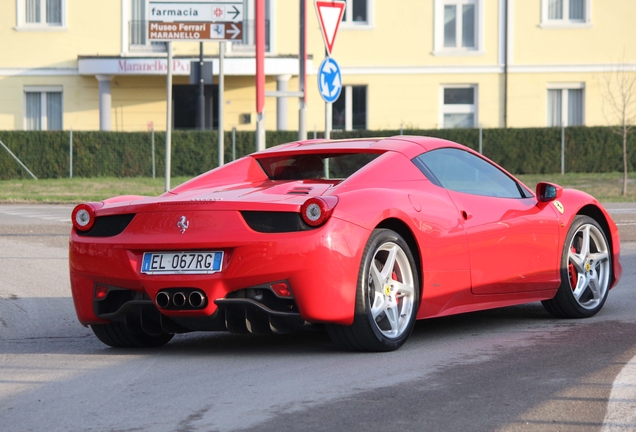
[(152, 67)]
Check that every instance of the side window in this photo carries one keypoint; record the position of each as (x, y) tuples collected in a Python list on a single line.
[(357, 12), (461, 171), (43, 108), (459, 106), (41, 14), (350, 110), (458, 27), (565, 13)]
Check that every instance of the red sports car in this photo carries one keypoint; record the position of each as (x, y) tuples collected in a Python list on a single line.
[(362, 236)]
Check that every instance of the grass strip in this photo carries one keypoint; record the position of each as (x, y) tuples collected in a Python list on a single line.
[(606, 187)]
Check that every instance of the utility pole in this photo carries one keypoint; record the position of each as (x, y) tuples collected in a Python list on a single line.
[(201, 110), (302, 72)]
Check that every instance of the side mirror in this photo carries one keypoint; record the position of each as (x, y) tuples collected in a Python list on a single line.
[(548, 192)]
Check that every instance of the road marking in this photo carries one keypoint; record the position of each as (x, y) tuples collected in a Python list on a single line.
[(628, 210), (44, 215), (621, 407)]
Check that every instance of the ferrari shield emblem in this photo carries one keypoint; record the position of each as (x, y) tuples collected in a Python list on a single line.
[(387, 290), (559, 206)]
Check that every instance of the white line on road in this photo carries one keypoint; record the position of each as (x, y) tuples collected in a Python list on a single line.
[(621, 407)]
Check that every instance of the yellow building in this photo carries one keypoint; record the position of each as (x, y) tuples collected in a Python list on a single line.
[(88, 65)]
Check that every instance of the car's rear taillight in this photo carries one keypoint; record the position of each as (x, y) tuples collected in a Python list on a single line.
[(83, 217), (317, 210)]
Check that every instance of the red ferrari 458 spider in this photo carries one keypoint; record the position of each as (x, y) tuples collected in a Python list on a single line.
[(362, 236)]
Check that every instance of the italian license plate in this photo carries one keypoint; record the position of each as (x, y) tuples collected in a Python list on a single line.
[(182, 262)]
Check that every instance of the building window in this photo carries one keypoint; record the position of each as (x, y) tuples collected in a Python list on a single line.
[(349, 112), (41, 13), (566, 106), (248, 44), (565, 12), (138, 29), (43, 109), (457, 26), (357, 12), (459, 106)]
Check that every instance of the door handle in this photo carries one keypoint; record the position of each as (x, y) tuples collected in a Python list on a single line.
[(466, 215)]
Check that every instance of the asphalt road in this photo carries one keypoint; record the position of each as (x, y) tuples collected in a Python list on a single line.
[(509, 369)]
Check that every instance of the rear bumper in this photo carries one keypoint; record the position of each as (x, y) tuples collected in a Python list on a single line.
[(321, 265)]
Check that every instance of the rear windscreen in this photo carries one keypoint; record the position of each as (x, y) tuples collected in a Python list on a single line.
[(315, 165)]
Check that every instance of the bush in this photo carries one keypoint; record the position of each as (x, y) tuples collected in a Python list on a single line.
[(128, 154)]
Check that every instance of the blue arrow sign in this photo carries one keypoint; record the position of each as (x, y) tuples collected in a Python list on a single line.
[(329, 80)]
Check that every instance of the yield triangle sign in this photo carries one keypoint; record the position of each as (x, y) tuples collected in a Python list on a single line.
[(329, 16)]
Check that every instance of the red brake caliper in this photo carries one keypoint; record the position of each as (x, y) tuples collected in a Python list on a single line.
[(394, 277), (573, 275)]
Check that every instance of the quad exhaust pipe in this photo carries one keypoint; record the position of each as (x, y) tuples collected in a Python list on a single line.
[(196, 299), (180, 300), (162, 299)]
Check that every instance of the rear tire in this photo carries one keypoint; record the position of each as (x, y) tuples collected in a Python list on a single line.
[(118, 336), (586, 263), (387, 297)]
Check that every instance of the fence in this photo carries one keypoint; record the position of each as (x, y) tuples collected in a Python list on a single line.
[(128, 154)]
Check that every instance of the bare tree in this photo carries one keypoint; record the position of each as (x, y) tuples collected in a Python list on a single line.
[(619, 105)]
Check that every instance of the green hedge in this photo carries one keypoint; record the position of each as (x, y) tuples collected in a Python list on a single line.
[(127, 154)]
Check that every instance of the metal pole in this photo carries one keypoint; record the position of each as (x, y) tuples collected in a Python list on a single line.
[(315, 132), (19, 161), (327, 120), (70, 154), (221, 99), (260, 73), (328, 112), (481, 135), (152, 144), (168, 115), (201, 113), (562, 149), (302, 73), (506, 42), (233, 143)]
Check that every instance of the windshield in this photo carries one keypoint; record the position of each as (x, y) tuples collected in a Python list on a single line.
[(306, 166)]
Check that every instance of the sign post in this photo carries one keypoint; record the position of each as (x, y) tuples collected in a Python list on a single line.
[(194, 21), (329, 77), (168, 117)]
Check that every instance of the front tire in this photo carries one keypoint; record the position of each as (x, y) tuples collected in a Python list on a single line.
[(118, 336), (387, 297), (586, 264)]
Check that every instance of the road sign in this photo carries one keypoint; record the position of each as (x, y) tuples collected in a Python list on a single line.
[(197, 11), (329, 16), (208, 75), (176, 20), (194, 31), (329, 80)]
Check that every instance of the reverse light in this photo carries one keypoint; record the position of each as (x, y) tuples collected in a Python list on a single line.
[(316, 211), (83, 217)]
